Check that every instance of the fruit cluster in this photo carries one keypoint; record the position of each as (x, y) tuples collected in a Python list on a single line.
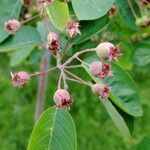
[(100, 69)]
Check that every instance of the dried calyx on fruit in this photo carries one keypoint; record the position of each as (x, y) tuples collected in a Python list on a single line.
[(50, 1), (26, 2), (101, 90), (145, 2), (64, 1), (112, 10), (100, 69), (62, 98), (12, 26), (72, 28), (53, 42), (19, 79), (107, 51), (45, 1)]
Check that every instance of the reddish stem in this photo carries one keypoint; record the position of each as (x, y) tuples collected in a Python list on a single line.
[(76, 55), (76, 77), (41, 86), (23, 22), (42, 72)]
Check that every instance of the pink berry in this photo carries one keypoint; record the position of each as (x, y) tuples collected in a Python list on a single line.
[(53, 43), (12, 26), (101, 90), (19, 79), (108, 51), (72, 28), (100, 69), (62, 98)]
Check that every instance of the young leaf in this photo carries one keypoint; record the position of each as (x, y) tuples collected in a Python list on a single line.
[(89, 28), (91, 9), (55, 130), (8, 10), (26, 36), (117, 119), (59, 14), (124, 92)]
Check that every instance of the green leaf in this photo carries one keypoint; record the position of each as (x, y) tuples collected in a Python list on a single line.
[(59, 14), (91, 9), (127, 14), (26, 36), (141, 54), (41, 25), (89, 28), (129, 120), (20, 55), (8, 10), (124, 92), (55, 130), (117, 119)]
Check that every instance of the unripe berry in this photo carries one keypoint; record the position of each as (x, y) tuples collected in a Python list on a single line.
[(53, 43), (62, 98), (19, 79), (101, 90), (12, 26), (100, 69), (26, 2), (108, 51), (72, 28)]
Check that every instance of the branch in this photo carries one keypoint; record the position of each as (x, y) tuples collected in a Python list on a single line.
[(82, 61), (77, 54), (42, 72), (74, 66), (59, 81), (73, 80), (23, 22), (41, 86), (79, 79)]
